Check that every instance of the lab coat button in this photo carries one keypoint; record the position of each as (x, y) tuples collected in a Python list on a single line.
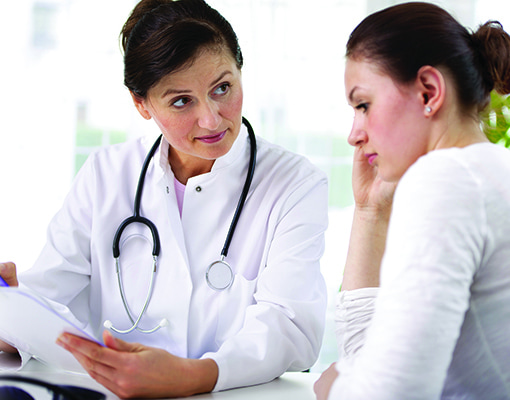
[(198, 189)]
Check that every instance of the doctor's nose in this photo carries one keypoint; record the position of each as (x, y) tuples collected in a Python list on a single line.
[(209, 117)]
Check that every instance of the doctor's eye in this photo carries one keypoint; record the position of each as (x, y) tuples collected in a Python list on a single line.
[(222, 89), (181, 102)]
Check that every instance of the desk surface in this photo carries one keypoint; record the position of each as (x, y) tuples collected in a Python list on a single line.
[(292, 385)]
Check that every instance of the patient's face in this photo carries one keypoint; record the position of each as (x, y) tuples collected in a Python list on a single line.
[(386, 119)]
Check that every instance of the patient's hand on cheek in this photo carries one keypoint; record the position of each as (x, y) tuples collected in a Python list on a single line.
[(370, 191)]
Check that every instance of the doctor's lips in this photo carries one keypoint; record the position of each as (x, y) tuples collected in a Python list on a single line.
[(212, 138), (371, 157)]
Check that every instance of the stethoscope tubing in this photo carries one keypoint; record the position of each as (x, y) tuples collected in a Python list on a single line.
[(136, 322), (246, 188), (137, 218)]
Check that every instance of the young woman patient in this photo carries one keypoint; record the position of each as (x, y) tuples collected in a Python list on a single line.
[(438, 326)]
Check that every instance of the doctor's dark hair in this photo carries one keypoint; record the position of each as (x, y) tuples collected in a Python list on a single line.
[(164, 36), (403, 38)]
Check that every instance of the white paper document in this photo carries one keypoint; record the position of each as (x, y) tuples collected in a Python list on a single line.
[(30, 324)]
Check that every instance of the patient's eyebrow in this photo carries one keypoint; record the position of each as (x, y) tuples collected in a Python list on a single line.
[(351, 94)]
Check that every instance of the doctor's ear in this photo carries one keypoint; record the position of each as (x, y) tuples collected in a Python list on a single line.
[(139, 103), (432, 89)]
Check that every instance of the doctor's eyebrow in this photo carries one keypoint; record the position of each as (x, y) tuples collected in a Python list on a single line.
[(171, 91), (225, 73)]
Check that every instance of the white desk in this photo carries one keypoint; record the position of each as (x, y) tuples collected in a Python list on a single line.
[(292, 385)]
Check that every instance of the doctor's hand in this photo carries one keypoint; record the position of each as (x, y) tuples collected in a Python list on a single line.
[(323, 386), (131, 370), (8, 273)]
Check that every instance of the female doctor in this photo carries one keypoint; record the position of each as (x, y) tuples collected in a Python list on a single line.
[(202, 326)]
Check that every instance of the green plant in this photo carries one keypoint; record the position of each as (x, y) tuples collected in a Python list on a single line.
[(496, 119)]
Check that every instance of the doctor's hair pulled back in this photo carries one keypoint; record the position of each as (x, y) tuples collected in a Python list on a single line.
[(403, 38), (165, 36)]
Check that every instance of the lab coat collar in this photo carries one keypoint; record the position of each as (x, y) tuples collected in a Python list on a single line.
[(236, 151)]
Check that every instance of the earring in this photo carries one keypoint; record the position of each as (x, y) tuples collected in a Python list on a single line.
[(428, 109)]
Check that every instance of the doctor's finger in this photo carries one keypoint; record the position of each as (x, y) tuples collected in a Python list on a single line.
[(82, 347), (116, 371), (95, 368), (91, 357), (112, 358), (103, 374), (120, 345), (8, 273)]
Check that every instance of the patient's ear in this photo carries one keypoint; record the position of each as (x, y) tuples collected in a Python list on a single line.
[(140, 105), (432, 89)]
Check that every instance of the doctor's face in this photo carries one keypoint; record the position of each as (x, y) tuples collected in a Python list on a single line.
[(198, 110)]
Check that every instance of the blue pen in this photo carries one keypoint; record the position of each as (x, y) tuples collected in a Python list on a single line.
[(3, 283)]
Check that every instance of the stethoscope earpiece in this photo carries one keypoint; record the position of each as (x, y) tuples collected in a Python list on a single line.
[(219, 275)]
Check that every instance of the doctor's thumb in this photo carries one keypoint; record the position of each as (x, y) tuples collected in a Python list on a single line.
[(114, 343)]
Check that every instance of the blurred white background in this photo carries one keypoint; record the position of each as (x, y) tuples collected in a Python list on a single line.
[(62, 94)]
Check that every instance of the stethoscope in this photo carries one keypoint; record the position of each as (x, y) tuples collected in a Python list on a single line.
[(219, 275)]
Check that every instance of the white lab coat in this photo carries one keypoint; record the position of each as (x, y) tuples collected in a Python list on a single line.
[(270, 320)]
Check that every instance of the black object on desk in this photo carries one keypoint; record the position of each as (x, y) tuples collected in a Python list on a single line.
[(10, 391)]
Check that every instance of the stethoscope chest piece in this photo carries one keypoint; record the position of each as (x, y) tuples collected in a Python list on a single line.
[(219, 275)]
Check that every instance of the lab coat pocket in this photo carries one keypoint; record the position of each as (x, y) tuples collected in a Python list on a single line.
[(233, 305)]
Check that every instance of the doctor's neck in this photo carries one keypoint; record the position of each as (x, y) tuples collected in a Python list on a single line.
[(185, 166)]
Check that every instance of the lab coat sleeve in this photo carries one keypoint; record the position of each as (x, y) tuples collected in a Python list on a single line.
[(283, 330)]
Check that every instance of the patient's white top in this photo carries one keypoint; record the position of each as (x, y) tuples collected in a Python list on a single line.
[(439, 326)]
